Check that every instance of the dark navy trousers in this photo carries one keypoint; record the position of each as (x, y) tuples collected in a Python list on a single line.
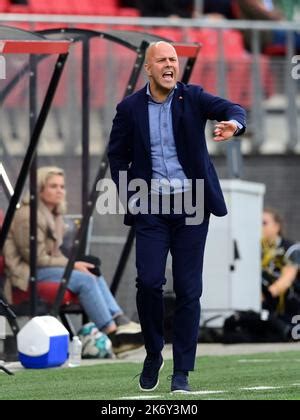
[(155, 236)]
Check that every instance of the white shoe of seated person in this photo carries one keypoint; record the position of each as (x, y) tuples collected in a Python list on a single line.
[(130, 328)]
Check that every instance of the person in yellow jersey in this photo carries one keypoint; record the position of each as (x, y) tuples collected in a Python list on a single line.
[(280, 268)]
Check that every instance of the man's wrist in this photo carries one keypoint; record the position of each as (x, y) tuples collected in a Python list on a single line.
[(238, 127)]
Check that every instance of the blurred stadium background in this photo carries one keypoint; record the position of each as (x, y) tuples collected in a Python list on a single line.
[(260, 80)]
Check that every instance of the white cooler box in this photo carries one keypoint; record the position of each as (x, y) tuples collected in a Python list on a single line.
[(43, 343)]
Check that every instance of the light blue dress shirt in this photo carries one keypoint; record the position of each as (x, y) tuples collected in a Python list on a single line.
[(166, 169), (167, 172)]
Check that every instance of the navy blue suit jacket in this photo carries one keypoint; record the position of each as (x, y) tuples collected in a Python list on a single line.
[(130, 149)]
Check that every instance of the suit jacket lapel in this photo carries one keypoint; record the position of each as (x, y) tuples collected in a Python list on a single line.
[(143, 118), (177, 113)]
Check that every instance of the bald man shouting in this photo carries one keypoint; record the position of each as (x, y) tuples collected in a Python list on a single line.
[(158, 145)]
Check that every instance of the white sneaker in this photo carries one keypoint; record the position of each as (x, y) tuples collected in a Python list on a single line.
[(130, 328), (124, 350)]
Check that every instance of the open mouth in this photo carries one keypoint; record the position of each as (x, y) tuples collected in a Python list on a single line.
[(168, 75)]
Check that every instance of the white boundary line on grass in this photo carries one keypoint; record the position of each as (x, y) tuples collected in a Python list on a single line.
[(262, 388), (206, 392), (255, 388), (142, 397), (267, 361), (146, 397)]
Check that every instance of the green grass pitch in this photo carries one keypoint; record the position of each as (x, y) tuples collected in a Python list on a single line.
[(257, 377)]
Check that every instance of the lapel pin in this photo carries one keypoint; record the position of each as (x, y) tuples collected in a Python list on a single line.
[(180, 97)]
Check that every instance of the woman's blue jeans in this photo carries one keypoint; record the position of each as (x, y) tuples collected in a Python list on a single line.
[(280, 38), (93, 292)]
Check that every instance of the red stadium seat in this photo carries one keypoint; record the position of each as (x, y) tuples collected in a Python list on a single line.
[(47, 292), (18, 8), (112, 4), (275, 50), (210, 39), (238, 62), (173, 34), (106, 11), (80, 7), (41, 6), (86, 7), (129, 11), (4, 5), (103, 8)]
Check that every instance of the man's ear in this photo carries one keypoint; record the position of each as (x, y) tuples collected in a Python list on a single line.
[(147, 69)]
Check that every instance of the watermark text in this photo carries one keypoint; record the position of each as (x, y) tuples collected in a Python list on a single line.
[(165, 197), (296, 68)]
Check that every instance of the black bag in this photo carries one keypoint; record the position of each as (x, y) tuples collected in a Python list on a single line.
[(248, 327)]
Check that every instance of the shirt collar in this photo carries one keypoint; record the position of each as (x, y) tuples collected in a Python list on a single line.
[(170, 96)]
